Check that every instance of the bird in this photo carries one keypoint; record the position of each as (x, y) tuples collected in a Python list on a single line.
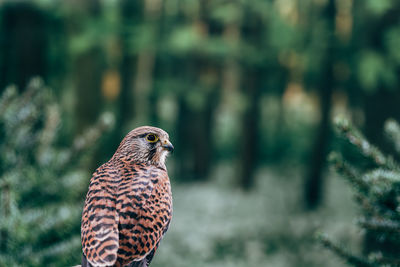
[(128, 206)]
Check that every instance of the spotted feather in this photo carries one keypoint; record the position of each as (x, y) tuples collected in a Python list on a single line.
[(128, 207)]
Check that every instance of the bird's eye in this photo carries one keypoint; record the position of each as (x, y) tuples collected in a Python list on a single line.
[(151, 138)]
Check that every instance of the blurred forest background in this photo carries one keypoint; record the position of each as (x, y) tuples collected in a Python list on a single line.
[(247, 91)]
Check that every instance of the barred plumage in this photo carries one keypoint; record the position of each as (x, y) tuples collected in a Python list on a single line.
[(128, 207)]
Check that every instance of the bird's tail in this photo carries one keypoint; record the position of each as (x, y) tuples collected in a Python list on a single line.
[(85, 262), (142, 263)]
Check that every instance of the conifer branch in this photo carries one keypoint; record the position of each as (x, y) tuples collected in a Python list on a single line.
[(347, 171), (378, 224), (105, 122), (343, 252), (37, 170), (382, 261), (392, 130), (367, 206), (378, 196), (7, 97), (346, 129), (87, 140)]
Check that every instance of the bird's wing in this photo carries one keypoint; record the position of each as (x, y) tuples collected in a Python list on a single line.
[(145, 213), (150, 256), (99, 230)]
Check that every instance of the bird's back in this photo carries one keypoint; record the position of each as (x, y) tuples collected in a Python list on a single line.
[(127, 210)]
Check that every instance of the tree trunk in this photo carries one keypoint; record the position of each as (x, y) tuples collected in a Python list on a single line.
[(184, 151), (146, 98), (250, 129), (23, 47), (88, 67), (131, 14), (251, 85), (314, 179), (88, 70), (196, 122)]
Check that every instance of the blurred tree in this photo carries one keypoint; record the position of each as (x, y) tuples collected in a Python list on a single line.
[(376, 179), (122, 30), (326, 84), (144, 90), (179, 63), (252, 32), (131, 14), (377, 67), (199, 97), (42, 184), (88, 62), (24, 39), (250, 145), (206, 73)]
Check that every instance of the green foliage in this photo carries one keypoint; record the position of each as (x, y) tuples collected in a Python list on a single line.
[(377, 191), (379, 7), (392, 43), (190, 67), (373, 71), (376, 59), (227, 13), (42, 184)]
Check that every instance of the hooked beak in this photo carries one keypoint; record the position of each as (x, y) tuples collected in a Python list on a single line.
[(166, 144)]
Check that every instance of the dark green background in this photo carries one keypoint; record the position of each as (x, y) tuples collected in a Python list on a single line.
[(246, 90)]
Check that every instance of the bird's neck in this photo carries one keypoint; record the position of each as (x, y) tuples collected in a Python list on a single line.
[(131, 161)]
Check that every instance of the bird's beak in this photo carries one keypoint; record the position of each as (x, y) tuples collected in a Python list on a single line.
[(166, 144)]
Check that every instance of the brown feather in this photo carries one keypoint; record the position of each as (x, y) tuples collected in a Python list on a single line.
[(129, 203)]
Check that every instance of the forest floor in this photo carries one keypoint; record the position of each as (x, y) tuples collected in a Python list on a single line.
[(215, 224)]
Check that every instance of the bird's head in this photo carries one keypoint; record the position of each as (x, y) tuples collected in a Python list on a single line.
[(145, 144)]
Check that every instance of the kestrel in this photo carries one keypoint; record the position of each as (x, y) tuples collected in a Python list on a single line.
[(128, 207)]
